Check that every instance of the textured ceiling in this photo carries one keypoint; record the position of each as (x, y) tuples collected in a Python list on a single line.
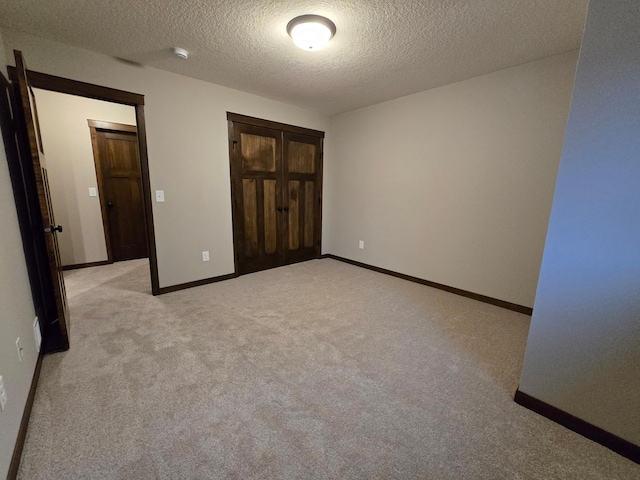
[(382, 49)]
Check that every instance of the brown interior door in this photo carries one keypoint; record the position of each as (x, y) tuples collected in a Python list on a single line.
[(121, 194), (301, 173), (257, 189), (34, 153)]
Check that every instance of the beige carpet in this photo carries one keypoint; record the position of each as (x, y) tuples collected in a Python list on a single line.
[(319, 370)]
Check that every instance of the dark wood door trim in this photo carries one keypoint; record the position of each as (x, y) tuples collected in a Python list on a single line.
[(88, 90), (582, 427), (80, 89), (14, 466), (147, 198), (259, 122)]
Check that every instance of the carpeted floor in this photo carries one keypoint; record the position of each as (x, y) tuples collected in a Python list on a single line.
[(319, 370)]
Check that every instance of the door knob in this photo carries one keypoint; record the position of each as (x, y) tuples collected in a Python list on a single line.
[(109, 204), (286, 209), (279, 209), (54, 228)]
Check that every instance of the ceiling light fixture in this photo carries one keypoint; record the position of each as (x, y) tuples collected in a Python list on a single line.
[(311, 32)]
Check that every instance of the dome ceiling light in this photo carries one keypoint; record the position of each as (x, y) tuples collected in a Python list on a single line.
[(311, 32)]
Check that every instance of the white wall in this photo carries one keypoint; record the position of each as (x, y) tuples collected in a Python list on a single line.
[(188, 148), (16, 312), (71, 170), (454, 184), (583, 352)]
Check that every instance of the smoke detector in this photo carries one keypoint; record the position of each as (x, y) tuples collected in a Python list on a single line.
[(180, 53)]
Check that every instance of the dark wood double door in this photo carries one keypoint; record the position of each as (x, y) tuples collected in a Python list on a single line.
[(276, 178)]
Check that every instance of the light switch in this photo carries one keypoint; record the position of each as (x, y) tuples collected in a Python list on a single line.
[(159, 195), (93, 192)]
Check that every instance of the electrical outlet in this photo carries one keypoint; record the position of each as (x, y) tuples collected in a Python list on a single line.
[(3, 395), (205, 256), (20, 349), (361, 244), (37, 334)]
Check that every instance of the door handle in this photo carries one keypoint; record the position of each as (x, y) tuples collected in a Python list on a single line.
[(286, 209), (109, 204), (279, 209), (53, 228)]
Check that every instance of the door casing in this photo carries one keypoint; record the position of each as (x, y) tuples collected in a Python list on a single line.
[(73, 87)]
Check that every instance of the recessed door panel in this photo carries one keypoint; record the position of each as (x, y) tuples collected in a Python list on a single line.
[(121, 151), (127, 223), (250, 198), (270, 218), (309, 214), (301, 157), (293, 216), (258, 153)]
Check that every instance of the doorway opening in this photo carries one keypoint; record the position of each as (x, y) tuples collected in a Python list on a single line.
[(28, 170)]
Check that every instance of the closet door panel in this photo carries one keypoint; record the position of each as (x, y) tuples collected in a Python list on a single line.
[(257, 182), (301, 174)]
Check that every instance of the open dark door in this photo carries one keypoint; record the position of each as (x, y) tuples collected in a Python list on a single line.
[(56, 327)]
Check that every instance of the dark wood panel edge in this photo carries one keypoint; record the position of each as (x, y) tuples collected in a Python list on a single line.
[(147, 199), (458, 291), (259, 122), (76, 266), (75, 87), (582, 427), (197, 283), (24, 423)]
